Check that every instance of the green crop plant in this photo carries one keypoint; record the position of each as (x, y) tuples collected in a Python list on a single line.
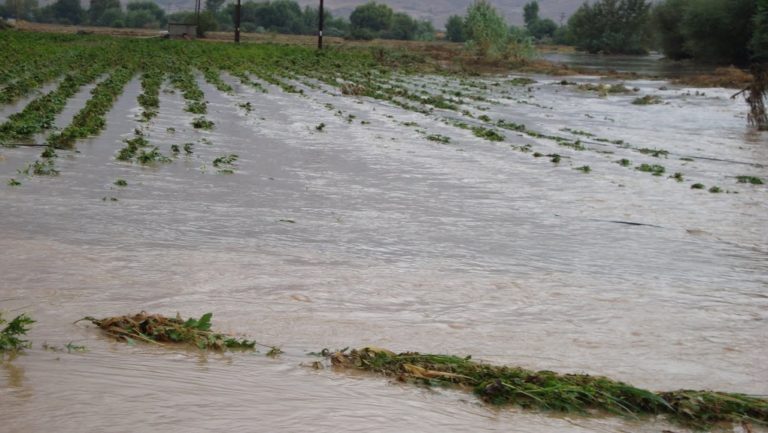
[(152, 156), (439, 138), (647, 100), (13, 333), (658, 153), (487, 134), (40, 168), (91, 119), (202, 123), (655, 169), (510, 125), (754, 180)]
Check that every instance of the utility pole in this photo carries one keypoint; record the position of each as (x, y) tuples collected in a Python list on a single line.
[(320, 22), (197, 15), (237, 22)]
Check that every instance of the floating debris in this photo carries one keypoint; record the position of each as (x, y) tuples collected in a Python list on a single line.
[(155, 328), (547, 390)]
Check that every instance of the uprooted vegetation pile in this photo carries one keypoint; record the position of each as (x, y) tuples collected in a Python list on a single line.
[(547, 390), (155, 328)]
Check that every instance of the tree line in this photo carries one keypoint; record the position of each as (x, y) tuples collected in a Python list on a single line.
[(715, 31), (368, 21)]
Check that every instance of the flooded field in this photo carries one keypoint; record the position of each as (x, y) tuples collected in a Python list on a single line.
[(533, 221)]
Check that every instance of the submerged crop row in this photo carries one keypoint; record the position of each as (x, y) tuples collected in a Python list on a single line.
[(395, 78)]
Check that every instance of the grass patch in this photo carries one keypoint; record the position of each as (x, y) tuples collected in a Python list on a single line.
[(13, 182), (154, 328), (698, 186), (547, 390), (121, 182), (624, 162), (584, 169), (715, 190)]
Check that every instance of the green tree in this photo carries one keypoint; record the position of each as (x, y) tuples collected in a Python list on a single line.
[(98, 7), (541, 29), (454, 29), (145, 14), (611, 26), (425, 31), (759, 42), (213, 6), (403, 27), (68, 12), (486, 30), (531, 13), (112, 17), (141, 19), (718, 31), (20, 9), (667, 18), (369, 20)]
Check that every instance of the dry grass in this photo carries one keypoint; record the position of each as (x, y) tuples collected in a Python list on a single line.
[(730, 77)]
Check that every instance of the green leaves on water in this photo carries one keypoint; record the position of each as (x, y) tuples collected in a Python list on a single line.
[(12, 335)]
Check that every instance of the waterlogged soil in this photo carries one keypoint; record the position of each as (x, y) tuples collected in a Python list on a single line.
[(365, 232)]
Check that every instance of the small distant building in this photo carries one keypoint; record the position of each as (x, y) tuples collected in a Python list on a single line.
[(182, 31)]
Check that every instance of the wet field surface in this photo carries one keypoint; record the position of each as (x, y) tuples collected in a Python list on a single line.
[(367, 232)]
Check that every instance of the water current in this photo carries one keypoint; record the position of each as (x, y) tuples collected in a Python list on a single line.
[(368, 233)]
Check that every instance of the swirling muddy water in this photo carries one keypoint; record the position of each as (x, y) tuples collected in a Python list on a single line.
[(368, 233)]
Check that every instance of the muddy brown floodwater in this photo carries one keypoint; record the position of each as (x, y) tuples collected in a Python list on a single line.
[(368, 233)]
